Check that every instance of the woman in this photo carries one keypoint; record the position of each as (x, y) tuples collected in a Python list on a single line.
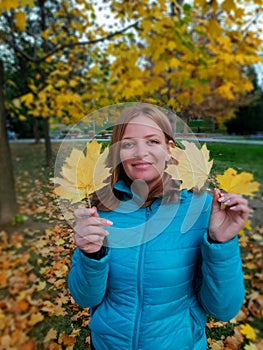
[(170, 257)]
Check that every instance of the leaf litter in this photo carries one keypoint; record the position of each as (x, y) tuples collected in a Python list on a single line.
[(36, 309)]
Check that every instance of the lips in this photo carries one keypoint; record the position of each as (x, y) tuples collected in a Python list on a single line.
[(141, 165)]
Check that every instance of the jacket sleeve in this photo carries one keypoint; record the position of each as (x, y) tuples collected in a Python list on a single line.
[(222, 289), (87, 279)]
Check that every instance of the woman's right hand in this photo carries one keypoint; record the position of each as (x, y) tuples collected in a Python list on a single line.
[(89, 233)]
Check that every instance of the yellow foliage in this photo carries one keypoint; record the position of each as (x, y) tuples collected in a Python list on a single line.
[(27, 99), (22, 118), (16, 103), (36, 318), (251, 346), (193, 166), (8, 5), (248, 331), (241, 183), (73, 83), (45, 34), (172, 103), (214, 29), (61, 83), (247, 227), (226, 91), (174, 63), (29, 3), (228, 5), (20, 18), (160, 66), (209, 53), (82, 174)]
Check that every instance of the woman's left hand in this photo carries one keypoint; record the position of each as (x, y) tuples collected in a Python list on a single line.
[(226, 222)]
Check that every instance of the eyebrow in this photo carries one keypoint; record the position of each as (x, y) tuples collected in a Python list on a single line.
[(147, 136)]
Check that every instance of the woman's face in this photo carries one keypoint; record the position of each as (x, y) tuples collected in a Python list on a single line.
[(144, 150)]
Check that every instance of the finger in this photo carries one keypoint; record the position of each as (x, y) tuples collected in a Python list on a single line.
[(97, 221), (94, 222), (91, 231), (231, 200), (216, 196), (90, 239), (217, 193), (90, 217), (82, 213), (95, 212), (242, 209)]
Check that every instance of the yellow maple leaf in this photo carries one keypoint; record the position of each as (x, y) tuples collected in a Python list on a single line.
[(51, 335), (35, 318), (20, 18), (241, 183), (251, 346), (82, 174), (66, 339), (248, 331), (193, 166), (41, 285)]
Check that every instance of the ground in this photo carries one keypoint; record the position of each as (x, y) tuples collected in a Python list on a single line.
[(256, 205), (36, 310)]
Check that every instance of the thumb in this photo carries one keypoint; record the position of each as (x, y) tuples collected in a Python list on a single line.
[(217, 194), (93, 212)]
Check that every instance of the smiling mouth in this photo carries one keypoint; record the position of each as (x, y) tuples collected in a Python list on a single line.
[(141, 165)]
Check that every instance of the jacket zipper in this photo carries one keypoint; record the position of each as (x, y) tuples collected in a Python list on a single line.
[(140, 285)]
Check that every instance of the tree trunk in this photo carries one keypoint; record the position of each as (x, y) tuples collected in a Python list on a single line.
[(8, 205), (47, 142), (36, 131), (43, 24)]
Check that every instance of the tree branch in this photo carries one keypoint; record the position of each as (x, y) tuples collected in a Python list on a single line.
[(62, 46)]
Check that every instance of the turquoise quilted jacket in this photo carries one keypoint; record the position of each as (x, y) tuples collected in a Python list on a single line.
[(159, 278)]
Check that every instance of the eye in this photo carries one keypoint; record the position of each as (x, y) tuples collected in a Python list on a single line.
[(153, 142), (127, 144)]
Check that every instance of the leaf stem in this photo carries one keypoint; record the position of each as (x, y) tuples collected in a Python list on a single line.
[(88, 201)]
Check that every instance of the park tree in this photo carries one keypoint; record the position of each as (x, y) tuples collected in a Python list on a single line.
[(57, 41), (248, 119), (8, 205), (192, 57)]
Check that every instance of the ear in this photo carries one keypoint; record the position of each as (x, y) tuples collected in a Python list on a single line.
[(172, 160), (170, 144)]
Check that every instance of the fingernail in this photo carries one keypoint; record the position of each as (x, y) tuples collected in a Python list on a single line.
[(233, 208), (228, 201), (109, 222), (221, 199)]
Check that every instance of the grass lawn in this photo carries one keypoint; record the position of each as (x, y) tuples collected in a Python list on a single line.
[(240, 157), (36, 310)]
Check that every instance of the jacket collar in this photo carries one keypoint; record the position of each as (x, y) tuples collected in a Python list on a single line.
[(122, 187)]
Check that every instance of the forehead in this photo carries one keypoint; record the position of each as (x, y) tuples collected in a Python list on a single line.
[(141, 125)]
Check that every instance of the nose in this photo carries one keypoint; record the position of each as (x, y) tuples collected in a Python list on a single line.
[(140, 150)]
